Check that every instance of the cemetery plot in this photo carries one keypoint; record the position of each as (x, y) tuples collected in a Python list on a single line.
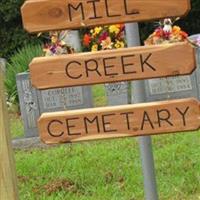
[(120, 121), (44, 15), (112, 66)]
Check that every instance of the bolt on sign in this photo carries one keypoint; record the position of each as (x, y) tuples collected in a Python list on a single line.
[(120, 121), (45, 15), (115, 65)]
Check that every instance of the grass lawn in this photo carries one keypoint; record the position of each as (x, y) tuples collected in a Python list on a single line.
[(108, 170)]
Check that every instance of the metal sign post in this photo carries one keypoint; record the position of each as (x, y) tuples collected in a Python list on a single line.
[(138, 93)]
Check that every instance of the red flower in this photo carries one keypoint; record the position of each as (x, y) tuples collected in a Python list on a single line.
[(103, 37), (166, 35), (86, 40), (122, 27), (159, 32), (184, 34)]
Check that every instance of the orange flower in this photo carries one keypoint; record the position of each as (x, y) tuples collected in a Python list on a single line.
[(176, 30), (86, 39)]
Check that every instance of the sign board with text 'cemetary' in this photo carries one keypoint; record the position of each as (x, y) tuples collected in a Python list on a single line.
[(45, 15), (120, 121), (115, 65)]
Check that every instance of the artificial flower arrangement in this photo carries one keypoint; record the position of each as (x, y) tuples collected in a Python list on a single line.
[(104, 38), (166, 33), (196, 42), (56, 44)]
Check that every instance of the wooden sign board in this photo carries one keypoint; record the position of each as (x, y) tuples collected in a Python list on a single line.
[(45, 15), (113, 65), (120, 121), (8, 186)]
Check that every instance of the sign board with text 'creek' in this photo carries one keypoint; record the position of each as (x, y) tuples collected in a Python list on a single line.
[(120, 121), (45, 15), (115, 65)]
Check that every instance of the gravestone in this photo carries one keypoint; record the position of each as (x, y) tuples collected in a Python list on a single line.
[(175, 87), (72, 38), (117, 93), (171, 88), (28, 104), (67, 98), (193, 38), (34, 102)]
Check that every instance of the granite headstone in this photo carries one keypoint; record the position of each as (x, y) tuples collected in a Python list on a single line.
[(175, 87), (68, 98), (28, 104), (35, 102), (117, 93)]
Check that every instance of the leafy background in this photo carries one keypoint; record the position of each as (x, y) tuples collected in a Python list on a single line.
[(13, 36)]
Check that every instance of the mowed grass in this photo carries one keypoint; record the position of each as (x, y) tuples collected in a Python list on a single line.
[(111, 169)]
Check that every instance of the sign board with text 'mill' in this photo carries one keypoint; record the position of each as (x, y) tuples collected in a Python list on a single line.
[(45, 15)]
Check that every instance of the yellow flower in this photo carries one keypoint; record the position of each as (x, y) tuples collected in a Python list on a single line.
[(95, 47), (96, 30), (54, 39), (119, 44), (114, 29)]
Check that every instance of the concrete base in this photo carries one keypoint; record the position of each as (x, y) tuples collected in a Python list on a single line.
[(29, 143)]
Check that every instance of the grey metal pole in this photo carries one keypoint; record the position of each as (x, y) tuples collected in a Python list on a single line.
[(138, 93)]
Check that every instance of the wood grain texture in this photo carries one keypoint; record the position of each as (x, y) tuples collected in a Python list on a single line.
[(8, 187), (120, 121), (45, 15), (113, 65)]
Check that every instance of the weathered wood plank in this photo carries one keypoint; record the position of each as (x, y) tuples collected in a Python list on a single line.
[(120, 121), (113, 65), (8, 186), (44, 15)]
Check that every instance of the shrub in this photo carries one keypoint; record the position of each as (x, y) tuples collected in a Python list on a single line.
[(19, 63), (11, 32)]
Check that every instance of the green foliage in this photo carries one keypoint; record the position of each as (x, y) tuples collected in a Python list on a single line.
[(19, 63), (13, 36), (11, 32)]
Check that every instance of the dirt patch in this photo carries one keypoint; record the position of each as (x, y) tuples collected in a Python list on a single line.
[(109, 177), (23, 179), (121, 182), (57, 186)]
